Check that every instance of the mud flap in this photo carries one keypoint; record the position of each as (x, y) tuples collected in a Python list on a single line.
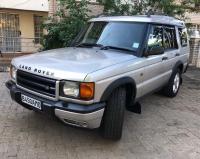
[(136, 108)]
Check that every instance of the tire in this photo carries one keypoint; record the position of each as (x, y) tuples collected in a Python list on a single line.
[(173, 86), (113, 118)]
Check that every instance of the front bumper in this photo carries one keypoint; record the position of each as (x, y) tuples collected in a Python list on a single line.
[(87, 116)]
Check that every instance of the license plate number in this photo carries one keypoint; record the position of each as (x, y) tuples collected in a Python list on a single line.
[(30, 101)]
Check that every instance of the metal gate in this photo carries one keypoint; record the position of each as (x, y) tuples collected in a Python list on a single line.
[(9, 33)]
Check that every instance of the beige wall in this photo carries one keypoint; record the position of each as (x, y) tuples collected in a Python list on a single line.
[(35, 5), (26, 24), (27, 30), (193, 18), (26, 20)]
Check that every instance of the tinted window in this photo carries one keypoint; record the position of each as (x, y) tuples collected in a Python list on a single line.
[(155, 37), (183, 36), (117, 34), (169, 38)]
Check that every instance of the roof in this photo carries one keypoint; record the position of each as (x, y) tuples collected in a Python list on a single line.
[(142, 18)]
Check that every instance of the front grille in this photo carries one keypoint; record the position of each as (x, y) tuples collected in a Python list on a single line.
[(42, 85)]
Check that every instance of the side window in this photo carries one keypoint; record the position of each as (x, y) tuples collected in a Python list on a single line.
[(155, 37), (183, 36), (169, 38), (38, 30)]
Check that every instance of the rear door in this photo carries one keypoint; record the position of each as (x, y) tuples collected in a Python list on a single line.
[(172, 51)]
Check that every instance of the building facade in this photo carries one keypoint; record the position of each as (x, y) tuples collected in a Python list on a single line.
[(194, 34), (21, 25), (94, 6), (21, 29)]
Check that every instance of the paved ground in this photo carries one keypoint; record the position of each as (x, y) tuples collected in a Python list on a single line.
[(167, 128)]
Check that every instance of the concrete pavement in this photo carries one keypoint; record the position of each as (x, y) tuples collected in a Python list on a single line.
[(166, 129)]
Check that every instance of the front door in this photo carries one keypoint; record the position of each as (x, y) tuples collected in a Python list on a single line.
[(154, 73)]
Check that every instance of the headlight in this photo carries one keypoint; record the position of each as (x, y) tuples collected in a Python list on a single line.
[(71, 89), (13, 72), (84, 91)]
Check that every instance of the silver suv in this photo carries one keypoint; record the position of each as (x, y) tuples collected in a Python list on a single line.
[(111, 64)]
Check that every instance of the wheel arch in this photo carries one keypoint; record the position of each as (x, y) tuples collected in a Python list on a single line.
[(130, 85), (179, 65)]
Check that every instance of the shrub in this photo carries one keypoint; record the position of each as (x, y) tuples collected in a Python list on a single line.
[(66, 24)]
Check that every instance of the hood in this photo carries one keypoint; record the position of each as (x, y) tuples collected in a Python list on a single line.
[(70, 63)]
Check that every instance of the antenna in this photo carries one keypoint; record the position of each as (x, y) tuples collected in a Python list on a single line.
[(149, 13)]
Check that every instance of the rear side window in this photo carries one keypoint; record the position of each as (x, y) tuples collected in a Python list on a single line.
[(169, 38), (155, 37), (183, 36)]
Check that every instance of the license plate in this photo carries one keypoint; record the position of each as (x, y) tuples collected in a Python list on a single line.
[(30, 101)]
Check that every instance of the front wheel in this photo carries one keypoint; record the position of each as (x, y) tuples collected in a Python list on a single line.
[(172, 88), (113, 118)]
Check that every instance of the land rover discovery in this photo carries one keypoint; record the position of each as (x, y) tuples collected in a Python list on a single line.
[(111, 64)]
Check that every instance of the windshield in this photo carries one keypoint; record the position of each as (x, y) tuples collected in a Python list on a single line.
[(124, 35)]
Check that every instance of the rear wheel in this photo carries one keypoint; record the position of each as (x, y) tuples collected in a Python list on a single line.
[(172, 88), (113, 118)]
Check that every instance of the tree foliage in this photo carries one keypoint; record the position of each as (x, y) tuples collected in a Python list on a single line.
[(167, 7), (73, 15), (122, 7), (66, 24)]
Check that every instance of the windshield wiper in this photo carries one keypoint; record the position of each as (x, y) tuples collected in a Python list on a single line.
[(103, 47), (89, 45), (116, 48)]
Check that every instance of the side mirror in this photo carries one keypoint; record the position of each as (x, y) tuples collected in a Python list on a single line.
[(156, 50)]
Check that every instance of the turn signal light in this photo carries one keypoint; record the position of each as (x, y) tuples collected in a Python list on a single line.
[(87, 91)]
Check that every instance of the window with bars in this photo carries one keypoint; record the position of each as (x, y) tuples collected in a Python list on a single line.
[(9, 33), (38, 30)]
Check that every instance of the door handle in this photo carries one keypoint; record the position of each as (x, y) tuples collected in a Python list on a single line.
[(164, 58), (177, 54)]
